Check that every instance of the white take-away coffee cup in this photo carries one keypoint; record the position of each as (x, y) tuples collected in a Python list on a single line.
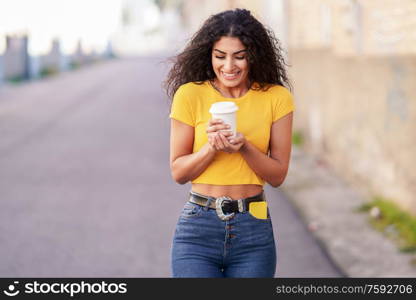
[(226, 111)]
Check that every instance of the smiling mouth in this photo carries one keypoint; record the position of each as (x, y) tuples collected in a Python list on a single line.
[(230, 76)]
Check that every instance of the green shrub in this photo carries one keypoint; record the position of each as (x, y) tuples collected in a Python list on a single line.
[(15, 79), (297, 138), (48, 71), (394, 222)]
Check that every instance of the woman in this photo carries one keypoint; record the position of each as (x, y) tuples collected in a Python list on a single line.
[(225, 228)]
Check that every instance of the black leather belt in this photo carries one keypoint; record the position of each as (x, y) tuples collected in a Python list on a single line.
[(225, 206)]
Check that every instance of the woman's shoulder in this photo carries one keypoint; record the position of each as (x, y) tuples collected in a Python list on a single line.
[(193, 87), (189, 92), (271, 88), (273, 91)]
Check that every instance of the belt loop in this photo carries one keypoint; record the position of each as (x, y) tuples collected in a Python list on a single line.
[(241, 205), (210, 199)]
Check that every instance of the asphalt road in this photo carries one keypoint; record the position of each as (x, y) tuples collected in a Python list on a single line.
[(85, 186)]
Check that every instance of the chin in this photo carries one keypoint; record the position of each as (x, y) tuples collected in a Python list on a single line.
[(230, 84)]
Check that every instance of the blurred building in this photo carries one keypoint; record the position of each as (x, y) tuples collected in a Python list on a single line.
[(48, 64), (149, 27), (16, 59), (1, 68), (354, 73), (140, 29), (354, 27)]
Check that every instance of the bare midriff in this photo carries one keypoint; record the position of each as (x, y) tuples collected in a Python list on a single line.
[(235, 192)]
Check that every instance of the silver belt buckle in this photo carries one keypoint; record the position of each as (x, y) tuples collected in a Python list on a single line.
[(218, 207)]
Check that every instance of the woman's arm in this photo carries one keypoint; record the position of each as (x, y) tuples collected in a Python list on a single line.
[(185, 165), (272, 169)]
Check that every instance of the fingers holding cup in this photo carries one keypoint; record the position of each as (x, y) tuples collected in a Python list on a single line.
[(219, 142)]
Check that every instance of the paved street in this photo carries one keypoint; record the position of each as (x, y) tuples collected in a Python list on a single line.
[(85, 186)]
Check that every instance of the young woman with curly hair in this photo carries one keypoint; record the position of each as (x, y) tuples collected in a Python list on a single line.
[(225, 229)]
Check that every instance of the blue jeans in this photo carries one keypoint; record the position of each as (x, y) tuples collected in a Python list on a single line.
[(205, 246)]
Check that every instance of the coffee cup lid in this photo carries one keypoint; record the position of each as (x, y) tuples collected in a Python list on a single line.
[(223, 107)]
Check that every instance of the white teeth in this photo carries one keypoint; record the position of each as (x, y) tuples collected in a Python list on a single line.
[(230, 74)]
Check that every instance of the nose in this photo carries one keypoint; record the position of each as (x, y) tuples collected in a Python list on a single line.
[(228, 65)]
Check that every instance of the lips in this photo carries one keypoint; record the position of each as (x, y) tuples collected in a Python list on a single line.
[(230, 76)]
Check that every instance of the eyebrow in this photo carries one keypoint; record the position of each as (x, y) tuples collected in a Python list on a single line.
[(233, 53)]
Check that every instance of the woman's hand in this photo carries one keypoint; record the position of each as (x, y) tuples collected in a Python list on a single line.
[(223, 140), (233, 143)]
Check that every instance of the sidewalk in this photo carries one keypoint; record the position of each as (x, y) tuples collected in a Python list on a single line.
[(327, 205)]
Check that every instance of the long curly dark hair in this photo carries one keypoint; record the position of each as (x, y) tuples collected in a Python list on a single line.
[(265, 59)]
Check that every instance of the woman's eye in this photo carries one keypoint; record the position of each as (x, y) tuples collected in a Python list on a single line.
[(220, 57), (239, 57)]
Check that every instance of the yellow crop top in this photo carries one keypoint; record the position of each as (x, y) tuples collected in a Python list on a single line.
[(257, 110)]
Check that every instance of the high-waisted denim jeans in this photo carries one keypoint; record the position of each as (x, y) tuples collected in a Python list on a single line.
[(205, 246)]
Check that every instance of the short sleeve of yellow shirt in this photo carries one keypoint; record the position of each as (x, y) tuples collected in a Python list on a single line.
[(257, 110), (182, 109)]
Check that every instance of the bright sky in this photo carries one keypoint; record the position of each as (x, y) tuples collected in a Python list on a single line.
[(92, 21)]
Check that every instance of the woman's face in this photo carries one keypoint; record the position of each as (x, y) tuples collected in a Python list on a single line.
[(229, 61)]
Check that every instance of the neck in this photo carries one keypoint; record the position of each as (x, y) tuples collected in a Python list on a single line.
[(231, 92)]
